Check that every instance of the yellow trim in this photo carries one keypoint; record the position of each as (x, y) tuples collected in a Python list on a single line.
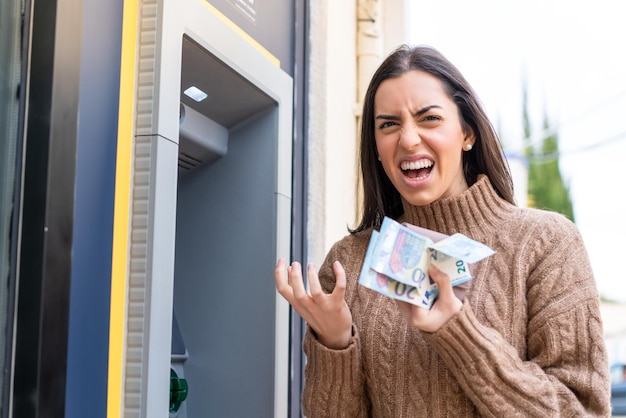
[(122, 208), (241, 33)]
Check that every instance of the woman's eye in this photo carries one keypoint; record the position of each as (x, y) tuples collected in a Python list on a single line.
[(386, 124), (431, 118)]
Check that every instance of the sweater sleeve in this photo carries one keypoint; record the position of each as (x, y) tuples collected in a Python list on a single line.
[(334, 382), (334, 385), (565, 373)]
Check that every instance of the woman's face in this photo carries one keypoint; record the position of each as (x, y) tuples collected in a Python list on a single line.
[(419, 138)]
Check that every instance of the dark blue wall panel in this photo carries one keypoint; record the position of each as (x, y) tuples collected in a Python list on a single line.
[(87, 367)]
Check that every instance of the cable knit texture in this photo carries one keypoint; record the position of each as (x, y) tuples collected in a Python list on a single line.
[(528, 341)]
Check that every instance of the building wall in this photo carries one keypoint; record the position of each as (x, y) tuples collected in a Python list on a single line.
[(332, 128), (334, 105)]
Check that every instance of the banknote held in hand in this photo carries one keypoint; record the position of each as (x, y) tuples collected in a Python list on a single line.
[(398, 257)]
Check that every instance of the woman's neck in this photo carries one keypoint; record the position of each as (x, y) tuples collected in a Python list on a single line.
[(477, 211)]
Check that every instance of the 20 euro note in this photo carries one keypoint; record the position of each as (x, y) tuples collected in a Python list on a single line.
[(400, 255)]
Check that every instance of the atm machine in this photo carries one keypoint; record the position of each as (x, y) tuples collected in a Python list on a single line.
[(210, 215), (224, 295)]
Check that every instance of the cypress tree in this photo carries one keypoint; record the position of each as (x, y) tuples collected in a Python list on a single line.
[(546, 187)]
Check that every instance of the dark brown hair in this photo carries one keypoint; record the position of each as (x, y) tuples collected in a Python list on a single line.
[(380, 197)]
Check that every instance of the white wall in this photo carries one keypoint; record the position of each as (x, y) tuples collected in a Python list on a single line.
[(396, 21), (333, 107), (332, 128)]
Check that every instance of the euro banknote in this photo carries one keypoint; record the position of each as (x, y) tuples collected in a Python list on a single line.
[(398, 258)]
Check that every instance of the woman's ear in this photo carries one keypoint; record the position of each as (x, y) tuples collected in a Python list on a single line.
[(470, 139)]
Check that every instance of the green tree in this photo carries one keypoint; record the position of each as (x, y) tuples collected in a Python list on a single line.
[(546, 186)]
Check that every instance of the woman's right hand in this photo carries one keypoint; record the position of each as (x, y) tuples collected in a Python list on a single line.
[(328, 314)]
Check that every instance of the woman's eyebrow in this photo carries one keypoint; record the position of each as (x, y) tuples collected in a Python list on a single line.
[(426, 109), (418, 113), (387, 117)]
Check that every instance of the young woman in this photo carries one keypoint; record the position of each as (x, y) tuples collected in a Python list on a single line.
[(525, 340)]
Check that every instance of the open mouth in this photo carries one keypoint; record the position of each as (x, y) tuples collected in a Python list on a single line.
[(417, 170)]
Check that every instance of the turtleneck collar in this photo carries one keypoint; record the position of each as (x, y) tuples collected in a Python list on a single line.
[(475, 212)]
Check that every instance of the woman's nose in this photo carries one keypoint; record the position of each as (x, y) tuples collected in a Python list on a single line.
[(409, 137)]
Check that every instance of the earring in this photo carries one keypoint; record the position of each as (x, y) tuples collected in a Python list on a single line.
[(468, 147), (379, 158)]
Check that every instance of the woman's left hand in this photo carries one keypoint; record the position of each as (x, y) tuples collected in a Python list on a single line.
[(444, 308)]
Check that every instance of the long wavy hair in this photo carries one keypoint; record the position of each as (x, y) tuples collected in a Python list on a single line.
[(380, 197)]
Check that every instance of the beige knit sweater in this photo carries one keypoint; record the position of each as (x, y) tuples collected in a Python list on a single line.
[(527, 343)]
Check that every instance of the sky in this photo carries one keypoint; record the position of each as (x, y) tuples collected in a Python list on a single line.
[(572, 55)]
